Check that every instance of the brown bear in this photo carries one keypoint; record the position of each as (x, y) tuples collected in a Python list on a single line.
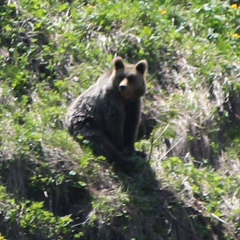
[(108, 113)]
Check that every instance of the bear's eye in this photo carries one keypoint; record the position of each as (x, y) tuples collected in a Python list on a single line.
[(131, 78), (121, 76)]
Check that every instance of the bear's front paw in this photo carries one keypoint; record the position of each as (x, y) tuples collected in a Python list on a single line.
[(140, 154), (125, 164)]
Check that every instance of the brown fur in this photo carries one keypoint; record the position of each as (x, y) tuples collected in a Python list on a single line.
[(108, 113)]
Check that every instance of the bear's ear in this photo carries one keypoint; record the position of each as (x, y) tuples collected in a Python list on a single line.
[(142, 66), (118, 63)]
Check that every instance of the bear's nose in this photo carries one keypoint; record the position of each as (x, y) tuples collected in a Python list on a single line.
[(122, 88)]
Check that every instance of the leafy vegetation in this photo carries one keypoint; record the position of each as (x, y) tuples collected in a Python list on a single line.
[(51, 51)]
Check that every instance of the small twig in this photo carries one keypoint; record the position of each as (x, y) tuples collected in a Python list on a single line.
[(151, 148), (169, 150), (152, 142), (219, 219)]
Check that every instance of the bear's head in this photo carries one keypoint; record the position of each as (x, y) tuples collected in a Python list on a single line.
[(130, 79)]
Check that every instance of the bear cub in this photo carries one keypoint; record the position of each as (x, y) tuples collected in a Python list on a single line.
[(108, 113)]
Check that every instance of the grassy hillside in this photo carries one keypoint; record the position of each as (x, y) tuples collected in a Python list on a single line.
[(188, 188)]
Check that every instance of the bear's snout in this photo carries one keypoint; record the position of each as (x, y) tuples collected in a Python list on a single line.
[(123, 85), (122, 88)]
